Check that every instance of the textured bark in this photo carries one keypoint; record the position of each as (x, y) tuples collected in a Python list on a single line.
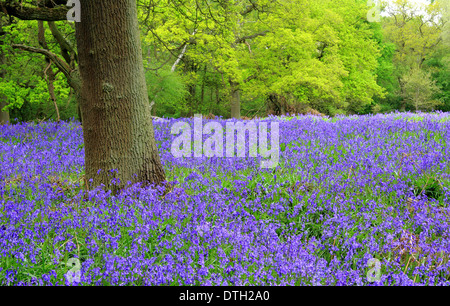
[(117, 125), (4, 116), (235, 100)]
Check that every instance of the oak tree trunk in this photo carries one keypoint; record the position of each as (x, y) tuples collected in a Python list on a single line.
[(235, 100), (4, 116), (117, 125)]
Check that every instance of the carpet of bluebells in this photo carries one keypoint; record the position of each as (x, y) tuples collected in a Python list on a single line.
[(346, 190)]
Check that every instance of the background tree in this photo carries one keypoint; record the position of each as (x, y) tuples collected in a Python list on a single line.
[(208, 40), (439, 63), (320, 54), (416, 32), (419, 90), (249, 57), (385, 74)]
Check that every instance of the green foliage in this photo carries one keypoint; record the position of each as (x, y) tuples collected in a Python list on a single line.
[(439, 65), (385, 73), (25, 85), (416, 31), (168, 90), (318, 54)]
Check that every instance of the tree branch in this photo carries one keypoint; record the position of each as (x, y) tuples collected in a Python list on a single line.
[(34, 13), (180, 56), (244, 38), (66, 46), (249, 8), (252, 77), (53, 3), (52, 56)]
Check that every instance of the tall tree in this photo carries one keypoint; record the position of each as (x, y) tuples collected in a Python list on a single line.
[(117, 125), (419, 90), (318, 53), (416, 30), (118, 129)]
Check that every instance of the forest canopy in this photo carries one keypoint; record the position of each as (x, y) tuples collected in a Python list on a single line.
[(243, 58)]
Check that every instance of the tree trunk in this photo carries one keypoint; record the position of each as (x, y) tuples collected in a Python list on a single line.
[(283, 105), (190, 67), (4, 115), (117, 125), (48, 71), (74, 80), (402, 102), (235, 100), (193, 104), (202, 98)]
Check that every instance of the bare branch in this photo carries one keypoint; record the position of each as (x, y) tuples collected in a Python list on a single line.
[(34, 13), (52, 56), (244, 38), (180, 56)]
